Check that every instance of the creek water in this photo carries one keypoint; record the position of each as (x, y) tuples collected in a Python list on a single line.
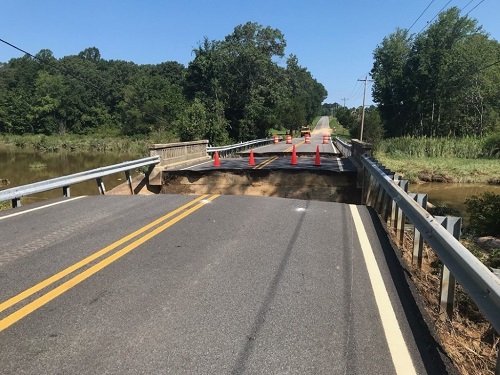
[(18, 167), (452, 195)]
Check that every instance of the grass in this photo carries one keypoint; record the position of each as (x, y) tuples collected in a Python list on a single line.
[(467, 159), (37, 165), (446, 169), (467, 147), (339, 131), (55, 143), (468, 339)]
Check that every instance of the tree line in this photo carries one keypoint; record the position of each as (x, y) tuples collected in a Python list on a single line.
[(233, 90), (444, 81), (441, 82)]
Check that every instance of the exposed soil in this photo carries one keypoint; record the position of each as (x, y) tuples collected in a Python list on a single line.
[(434, 177), (140, 185), (469, 340)]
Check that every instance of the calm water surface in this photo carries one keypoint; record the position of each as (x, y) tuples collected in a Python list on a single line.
[(452, 195), (14, 166)]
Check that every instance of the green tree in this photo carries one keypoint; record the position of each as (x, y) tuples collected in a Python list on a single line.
[(440, 82), (373, 131), (150, 104)]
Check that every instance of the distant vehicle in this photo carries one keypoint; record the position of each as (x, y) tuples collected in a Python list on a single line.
[(305, 130)]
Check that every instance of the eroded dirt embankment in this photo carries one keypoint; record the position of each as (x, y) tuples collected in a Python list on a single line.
[(337, 187)]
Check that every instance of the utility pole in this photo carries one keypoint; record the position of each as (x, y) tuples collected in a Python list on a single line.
[(363, 112), (344, 99)]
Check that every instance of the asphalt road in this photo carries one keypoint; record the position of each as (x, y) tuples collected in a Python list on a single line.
[(223, 285), (279, 156)]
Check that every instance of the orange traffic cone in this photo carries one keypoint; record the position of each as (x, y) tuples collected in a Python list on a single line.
[(317, 159), (251, 161), (294, 156), (216, 159)]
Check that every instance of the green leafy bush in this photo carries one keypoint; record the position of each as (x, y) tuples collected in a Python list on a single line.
[(484, 213), (494, 259), (491, 147)]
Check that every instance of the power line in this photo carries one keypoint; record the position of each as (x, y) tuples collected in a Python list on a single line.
[(421, 14), (352, 91), (66, 71), (363, 113), (451, 80), (466, 5), (429, 22), (61, 69), (474, 8)]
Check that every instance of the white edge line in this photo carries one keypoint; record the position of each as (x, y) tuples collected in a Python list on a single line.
[(401, 357), (197, 165), (39, 208), (339, 162)]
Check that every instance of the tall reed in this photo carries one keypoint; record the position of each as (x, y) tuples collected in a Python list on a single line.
[(468, 147)]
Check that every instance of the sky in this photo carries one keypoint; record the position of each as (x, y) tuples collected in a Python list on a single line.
[(334, 40)]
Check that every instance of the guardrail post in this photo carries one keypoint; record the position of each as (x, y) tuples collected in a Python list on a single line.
[(385, 209), (129, 181), (447, 285), (394, 205), (400, 220), (418, 241), (100, 185), (368, 182), (16, 202), (381, 200), (66, 191)]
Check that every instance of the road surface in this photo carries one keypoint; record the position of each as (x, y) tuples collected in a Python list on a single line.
[(171, 284)]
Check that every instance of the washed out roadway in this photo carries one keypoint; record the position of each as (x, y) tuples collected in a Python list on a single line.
[(226, 285)]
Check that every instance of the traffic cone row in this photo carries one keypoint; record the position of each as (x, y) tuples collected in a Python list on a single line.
[(251, 160)]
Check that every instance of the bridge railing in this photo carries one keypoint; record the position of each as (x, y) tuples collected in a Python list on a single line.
[(225, 151), (174, 155), (389, 198), (14, 194), (344, 147)]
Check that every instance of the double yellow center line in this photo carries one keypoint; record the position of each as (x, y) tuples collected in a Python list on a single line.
[(265, 162), (179, 213), (270, 160)]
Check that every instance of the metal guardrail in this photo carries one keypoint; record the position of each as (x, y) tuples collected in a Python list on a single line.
[(477, 280), (344, 147), (232, 149), (15, 194)]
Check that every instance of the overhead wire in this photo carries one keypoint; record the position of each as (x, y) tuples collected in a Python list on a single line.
[(474, 8), (66, 71), (429, 22), (421, 14), (61, 69), (452, 80), (466, 5)]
